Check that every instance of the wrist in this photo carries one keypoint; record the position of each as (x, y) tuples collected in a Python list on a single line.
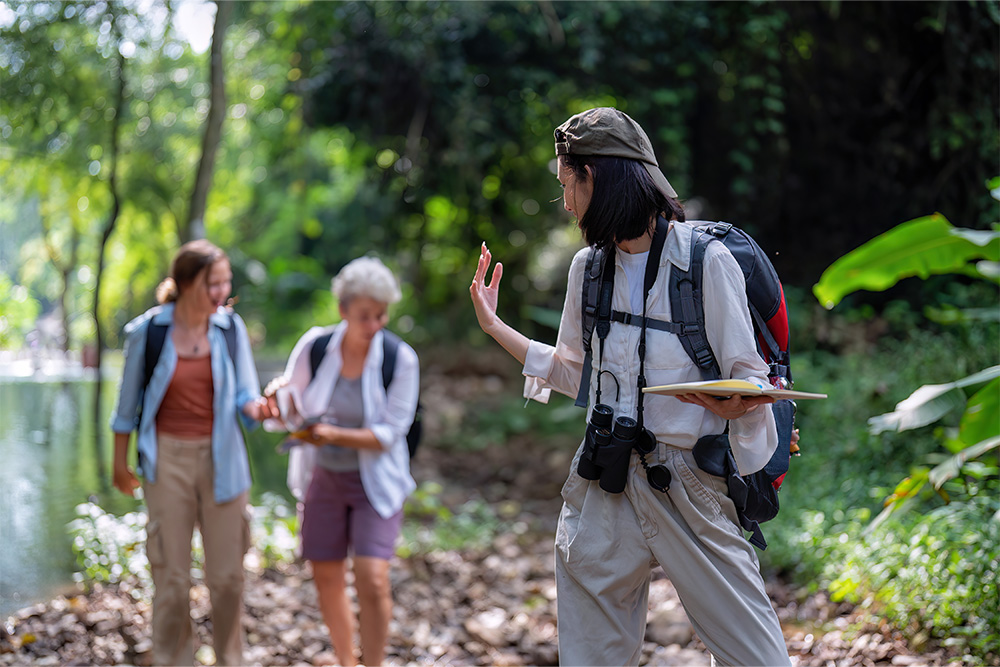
[(495, 329)]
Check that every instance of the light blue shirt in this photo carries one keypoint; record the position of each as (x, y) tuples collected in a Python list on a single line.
[(233, 387)]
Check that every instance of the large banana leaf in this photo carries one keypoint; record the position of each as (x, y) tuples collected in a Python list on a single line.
[(922, 247), (931, 402)]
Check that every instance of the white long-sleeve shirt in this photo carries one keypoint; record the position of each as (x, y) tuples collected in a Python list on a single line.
[(730, 333), (385, 474)]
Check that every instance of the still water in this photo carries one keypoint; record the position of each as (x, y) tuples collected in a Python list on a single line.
[(50, 462)]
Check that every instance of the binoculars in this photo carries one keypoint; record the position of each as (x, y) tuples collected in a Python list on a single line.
[(608, 448)]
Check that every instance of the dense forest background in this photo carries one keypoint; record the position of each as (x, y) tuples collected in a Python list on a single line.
[(299, 135), (416, 130)]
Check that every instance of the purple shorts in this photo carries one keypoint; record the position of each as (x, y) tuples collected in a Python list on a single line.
[(337, 516)]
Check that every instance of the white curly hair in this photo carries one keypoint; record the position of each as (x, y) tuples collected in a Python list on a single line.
[(366, 276)]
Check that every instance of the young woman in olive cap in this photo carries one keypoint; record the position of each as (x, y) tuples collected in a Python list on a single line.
[(607, 543)]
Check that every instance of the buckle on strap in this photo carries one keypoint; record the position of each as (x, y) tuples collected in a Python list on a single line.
[(626, 318), (721, 228), (705, 357), (689, 329)]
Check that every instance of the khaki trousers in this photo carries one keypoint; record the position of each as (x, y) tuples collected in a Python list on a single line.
[(181, 498), (607, 545)]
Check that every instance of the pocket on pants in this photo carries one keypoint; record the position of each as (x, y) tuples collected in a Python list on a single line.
[(154, 544), (574, 489), (711, 489)]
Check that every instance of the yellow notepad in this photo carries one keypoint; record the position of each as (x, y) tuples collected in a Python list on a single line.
[(729, 388)]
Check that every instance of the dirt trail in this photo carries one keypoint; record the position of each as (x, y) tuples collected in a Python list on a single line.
[(493, 605)]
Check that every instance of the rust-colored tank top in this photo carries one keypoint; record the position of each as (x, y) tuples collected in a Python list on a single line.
[(186, 409)]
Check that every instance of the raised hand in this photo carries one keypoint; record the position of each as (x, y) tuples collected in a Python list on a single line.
[(484, 298)]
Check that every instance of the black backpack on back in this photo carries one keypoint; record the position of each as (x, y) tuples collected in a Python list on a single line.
[(390, 347), (755, 495)]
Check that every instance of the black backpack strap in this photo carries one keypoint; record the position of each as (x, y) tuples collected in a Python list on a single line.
[(649, 322), (155, 335), (588, 312), (390, 346), (687, 307), (230, 336), (317, 351)]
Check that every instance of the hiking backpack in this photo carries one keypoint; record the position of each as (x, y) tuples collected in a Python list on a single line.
[(390, 346), (755, 495)]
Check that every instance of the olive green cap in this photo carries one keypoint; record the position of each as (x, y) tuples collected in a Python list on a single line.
[(609, 132)]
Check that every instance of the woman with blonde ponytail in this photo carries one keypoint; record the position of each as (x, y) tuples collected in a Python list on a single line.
[(192, 455)]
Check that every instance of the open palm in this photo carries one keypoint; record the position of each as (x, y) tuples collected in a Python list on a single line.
[(484, 297)]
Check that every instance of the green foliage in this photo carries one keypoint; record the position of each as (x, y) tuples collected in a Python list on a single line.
[(934, 577), (111, 549), (921, 247), (274, 527), (497, 422), (839, 484), (18, 311), (432, 526), (930, 402), (924, 572), (748, 106)]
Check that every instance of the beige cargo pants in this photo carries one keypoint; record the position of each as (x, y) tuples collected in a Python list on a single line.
[(181, 498), (607, 545)]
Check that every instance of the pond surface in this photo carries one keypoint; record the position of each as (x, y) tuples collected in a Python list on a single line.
[(50, 462)]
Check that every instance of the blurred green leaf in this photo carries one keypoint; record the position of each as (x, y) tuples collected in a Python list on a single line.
[(981, 420), (951, 468), (929, 403), (923, 247)]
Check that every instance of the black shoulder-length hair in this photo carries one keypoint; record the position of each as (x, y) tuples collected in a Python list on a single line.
[(624, 201)]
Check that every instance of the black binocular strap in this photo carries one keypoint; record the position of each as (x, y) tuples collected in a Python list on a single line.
[(605, 297), (652, 268)]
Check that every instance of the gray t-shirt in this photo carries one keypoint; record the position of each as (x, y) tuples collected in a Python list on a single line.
[(346, 410)]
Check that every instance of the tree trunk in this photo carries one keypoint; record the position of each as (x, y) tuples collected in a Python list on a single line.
[(109, 227), (65, 268), (195, 226)]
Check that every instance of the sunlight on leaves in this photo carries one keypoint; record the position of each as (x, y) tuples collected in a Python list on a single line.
[(923, 247)]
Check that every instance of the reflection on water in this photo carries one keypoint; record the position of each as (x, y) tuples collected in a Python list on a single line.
[(49, 465)]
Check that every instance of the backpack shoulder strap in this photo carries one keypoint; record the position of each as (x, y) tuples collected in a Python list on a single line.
[(688, 307), (230, 336), (156, 334), (317, 351), (390, 346), (588, 308)]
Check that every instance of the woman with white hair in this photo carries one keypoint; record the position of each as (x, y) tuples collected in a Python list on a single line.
[(354, 481)]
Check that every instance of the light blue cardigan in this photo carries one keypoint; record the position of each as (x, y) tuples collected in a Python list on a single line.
[(233, 387)]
